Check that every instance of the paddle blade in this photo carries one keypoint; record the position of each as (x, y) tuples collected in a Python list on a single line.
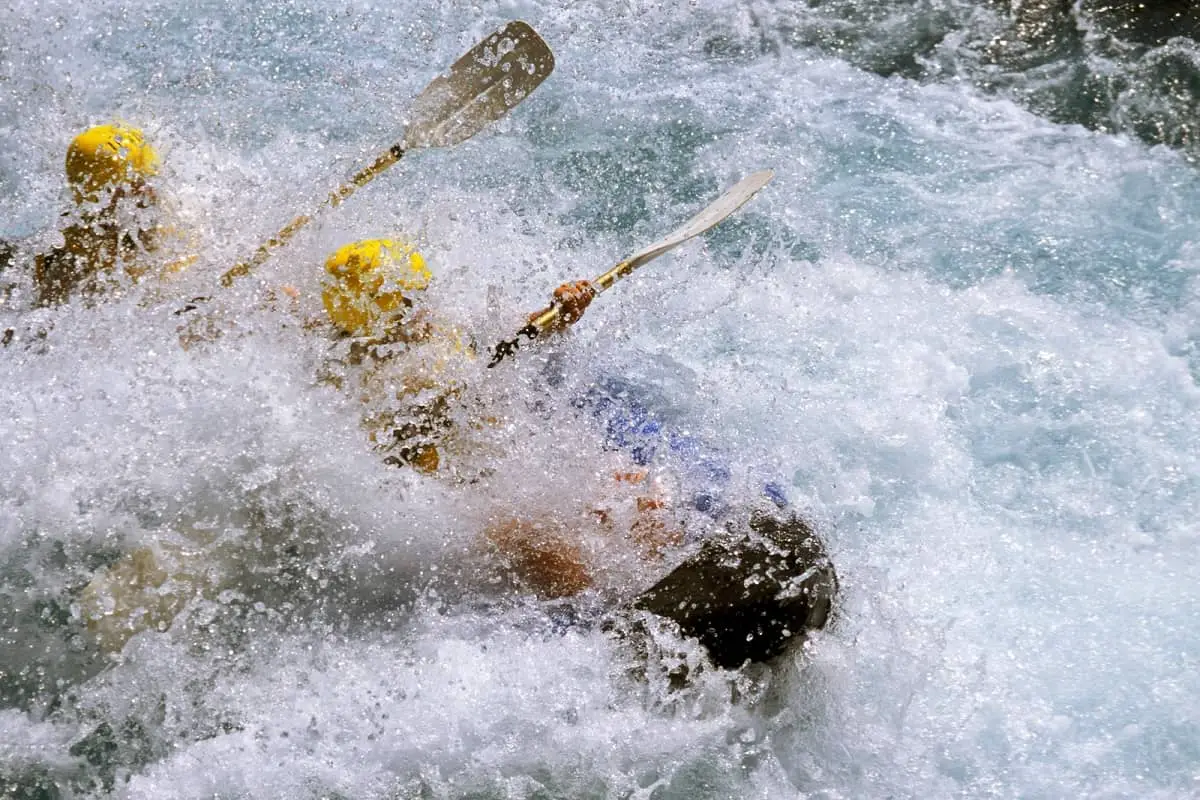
[(734, 198), (482, 86)]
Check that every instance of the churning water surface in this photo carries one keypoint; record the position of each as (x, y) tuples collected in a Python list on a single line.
[(962, 335)]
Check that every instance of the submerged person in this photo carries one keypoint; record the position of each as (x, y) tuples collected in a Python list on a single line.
[(409, 366), (747, 582), (115, 231), (747, 587)]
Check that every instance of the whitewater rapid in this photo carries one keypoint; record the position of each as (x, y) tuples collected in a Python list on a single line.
[(962, 336)]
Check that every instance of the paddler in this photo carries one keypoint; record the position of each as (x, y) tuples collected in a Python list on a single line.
[(412, 369), (115, 232), (407, 362), (754, 585)]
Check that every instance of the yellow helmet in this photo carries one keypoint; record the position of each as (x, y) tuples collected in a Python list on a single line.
[(108, 155), (369, 281)]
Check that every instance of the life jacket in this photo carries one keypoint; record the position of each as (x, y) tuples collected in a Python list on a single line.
[(409, 380)]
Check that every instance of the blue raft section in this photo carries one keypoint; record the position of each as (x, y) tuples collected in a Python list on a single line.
[(759, 583), (632, 425)]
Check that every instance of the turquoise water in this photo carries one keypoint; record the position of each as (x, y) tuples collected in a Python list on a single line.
[(964, 335)]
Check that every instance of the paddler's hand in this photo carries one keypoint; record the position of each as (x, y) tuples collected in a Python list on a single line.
[(571, 299)]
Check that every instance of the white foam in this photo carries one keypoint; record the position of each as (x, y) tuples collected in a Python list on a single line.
[(961, 335)]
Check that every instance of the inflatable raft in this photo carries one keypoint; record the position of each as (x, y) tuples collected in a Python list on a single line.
[(761, 579)]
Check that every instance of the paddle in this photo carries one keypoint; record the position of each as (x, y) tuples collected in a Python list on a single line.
[(482, 86), (733, 199)]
